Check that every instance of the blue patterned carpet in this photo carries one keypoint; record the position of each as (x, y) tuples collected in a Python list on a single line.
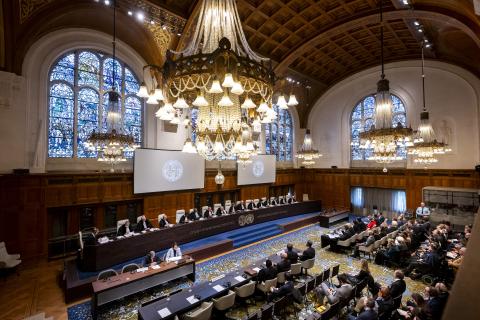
[(126, 309)]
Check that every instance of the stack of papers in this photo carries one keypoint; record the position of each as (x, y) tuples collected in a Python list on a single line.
[(164, 312), (155, 267), (192, 299), (142, 269), (218, 288), (239, 278)]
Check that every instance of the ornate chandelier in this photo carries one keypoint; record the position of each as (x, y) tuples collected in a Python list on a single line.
[(112, 144), (217, 87), (425, 146), (384, 138), (307, 154)]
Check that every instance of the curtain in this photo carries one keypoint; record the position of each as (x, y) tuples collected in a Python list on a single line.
[(387, 201)]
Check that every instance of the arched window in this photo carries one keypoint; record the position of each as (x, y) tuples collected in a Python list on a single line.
[(279, 136), (363, 118), (78, 97)]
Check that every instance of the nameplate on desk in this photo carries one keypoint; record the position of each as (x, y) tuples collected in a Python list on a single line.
[(142, 269), (218, 278), (192, 299), (239, 278), (164, 312), (218, 288)]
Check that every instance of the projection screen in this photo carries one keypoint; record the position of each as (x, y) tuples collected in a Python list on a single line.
[(162, 170), (261, 170)]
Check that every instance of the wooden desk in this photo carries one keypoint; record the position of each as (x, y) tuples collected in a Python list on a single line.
[(328, 218), (126, 284), (102, 256), (178, 304)]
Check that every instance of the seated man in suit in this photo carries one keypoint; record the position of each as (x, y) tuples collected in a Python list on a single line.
[(334, 294), (284, 264), (150, 259), (184, 218), (281, 200), (284, 290), (398, 286), (240, 206), (273, 201), (207, 213), (292, 255), (264, 203), (370, 240), (368, 312), (429, 261), (220, 211), (192, 215), (251, 205), (90, 238), (268, 273), (347, 233), (173, 252), (124, 229), (143, 225), (163, 222), (292, 199), (308, 253), (259, 204), (231, 210)]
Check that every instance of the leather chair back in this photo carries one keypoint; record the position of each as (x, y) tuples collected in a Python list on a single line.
[(225, 302)]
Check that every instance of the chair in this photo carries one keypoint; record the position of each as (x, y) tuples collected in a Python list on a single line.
[(295, 269), (227, 207), (225, 302), (8, 261), (280, 305), (310, 285), (216, 206), (308, 264), (265, 286), (335, 271), (178, 215), (325, 275), (130, 267), (318, 279), (344, 243), (138, 219), (305, 197), (331, 312), (121, 223), (247, 202), (4, 252), (105, 274), (267, 312), (281, 277), (228, 203), (246, 290), (204, 312), (365, 250), (255, 202)]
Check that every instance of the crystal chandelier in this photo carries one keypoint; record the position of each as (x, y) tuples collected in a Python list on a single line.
[(383, 138), (307, 154), (112, 144), (426, 148), (220, 80)]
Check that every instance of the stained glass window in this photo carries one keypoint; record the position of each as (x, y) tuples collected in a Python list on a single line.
[(78, 99), (279, 136), (362, 119)]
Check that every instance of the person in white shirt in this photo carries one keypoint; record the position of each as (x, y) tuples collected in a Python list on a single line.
[(423, 211), (173, 252)]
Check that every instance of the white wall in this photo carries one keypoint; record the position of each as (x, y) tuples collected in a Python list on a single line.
[(452, 97)]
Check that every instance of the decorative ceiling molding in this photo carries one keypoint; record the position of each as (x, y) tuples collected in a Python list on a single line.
[(28, 7), (162, 37)]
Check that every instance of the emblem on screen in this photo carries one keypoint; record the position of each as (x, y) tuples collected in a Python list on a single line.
[(258, 168), (172, 170)]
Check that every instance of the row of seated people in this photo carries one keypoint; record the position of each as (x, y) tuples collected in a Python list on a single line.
[(124, 227)]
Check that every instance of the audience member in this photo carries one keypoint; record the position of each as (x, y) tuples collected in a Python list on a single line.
[(291, 254), (284, 290), (150, 259), (173, 252), (372, 224), (370, 240), (332, 293), (284, 264), (309, 252), (267, 273), (368, 312), (398, 286)]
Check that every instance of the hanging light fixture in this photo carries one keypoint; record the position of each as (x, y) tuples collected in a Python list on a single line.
[(219, 178), (425, 147), (307, 153), (223, 78), (112, 144), (384, 138)]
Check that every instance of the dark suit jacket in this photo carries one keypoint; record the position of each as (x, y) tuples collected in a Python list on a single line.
[(183, 219), (89, 239), (162, 223), (266, 274), (148, 260), (259, 204), (265, 203), (283, 265), (219, 212), (273, 202), (292, 256), (307, 254), (347, 234), (123, 230), (250, 206), (285, 289), (231, 210), (367, 315), (207, 213), (282, 201), (192, 216), (397, 288), (139, 227), (239, 207)]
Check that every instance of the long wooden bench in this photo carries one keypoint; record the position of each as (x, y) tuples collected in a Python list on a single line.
[(292, 225), (328, 218)]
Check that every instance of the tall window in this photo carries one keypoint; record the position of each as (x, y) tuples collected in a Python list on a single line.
[(279, 136), (78, 97), (363, 118)]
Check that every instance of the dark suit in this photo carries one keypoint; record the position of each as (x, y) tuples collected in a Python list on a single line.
[(283, 265), (397, 288), (292, 256), (273, 202), (123, 230), (265, 203), (140, 227), (367, 315), (192, 216), (231, 210), (283, 291), (148, 260), (220, 212), (89, 239), (207, 213), (240, 207), (266, 274), (250, 206), (163, 223), (347, 234), (282, 201), (307, 254), (183, 219)]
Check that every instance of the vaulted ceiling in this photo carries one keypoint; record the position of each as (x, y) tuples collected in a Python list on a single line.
[(316, 41)]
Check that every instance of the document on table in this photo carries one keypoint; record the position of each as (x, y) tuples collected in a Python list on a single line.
[(164, 312), (239, 278), (155, 267), (256, 269), (192, 299), (142, 269), (218, 288)]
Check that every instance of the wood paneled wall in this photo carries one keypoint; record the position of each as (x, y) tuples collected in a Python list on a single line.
[(26, 199)]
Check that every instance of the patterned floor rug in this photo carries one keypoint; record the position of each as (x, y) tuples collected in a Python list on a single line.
[(127, 309)]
